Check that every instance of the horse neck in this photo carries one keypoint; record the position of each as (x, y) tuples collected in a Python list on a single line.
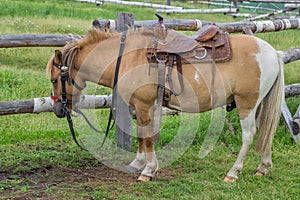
[(94, 65), (98, 61)]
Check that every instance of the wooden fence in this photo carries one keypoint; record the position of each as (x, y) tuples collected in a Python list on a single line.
[(46, 40)]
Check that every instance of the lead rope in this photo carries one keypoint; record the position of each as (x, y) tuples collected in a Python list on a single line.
[(70, 122), (89, 123), (71, 126)]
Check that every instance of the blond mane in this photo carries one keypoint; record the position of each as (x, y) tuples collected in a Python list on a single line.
[(71, 49)]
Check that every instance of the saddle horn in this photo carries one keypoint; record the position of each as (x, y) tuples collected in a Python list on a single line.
[(159, 28), (160, 18)]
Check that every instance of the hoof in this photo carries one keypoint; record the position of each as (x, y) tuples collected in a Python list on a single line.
[(229, 179), (259, 173), (144, 178)]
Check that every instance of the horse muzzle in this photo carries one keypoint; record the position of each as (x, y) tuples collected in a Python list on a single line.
[(59, 110)]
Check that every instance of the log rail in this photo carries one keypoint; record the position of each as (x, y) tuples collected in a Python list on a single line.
[(50, 40)]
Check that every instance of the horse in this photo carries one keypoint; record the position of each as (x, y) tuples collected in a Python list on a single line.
[(252, 79)]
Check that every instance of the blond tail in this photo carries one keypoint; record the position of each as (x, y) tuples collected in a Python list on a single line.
[(271, 111)]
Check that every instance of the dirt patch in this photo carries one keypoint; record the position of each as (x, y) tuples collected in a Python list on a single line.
[(53, 183)]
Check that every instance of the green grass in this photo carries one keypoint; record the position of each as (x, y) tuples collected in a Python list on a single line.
[(35, 148)]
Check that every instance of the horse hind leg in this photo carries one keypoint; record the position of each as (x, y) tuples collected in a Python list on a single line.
[(266, 158), (266, 162), (248, 132)]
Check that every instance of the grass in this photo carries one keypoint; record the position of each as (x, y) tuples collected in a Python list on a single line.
[(40, 160)]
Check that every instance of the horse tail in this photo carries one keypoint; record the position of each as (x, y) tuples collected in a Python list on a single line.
[(271, 111)]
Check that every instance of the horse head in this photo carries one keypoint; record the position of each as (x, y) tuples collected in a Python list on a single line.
[(65, 90)]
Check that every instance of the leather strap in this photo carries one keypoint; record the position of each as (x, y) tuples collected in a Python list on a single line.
[(160, 97), (122, 44), (177, 59), (71, 126)]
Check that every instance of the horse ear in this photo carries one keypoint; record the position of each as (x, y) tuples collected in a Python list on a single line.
[(58, 55)]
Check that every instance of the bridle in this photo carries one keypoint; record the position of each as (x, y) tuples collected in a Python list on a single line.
[(64, 77)]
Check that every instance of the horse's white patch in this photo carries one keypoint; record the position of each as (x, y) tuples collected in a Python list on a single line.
[(196, 77), (267, 58)]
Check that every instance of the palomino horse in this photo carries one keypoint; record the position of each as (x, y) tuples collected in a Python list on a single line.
[(252, 79)]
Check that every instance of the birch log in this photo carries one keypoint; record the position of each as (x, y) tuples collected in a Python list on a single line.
[(276, 1), (267, 15), (216, 10), (291, 55), (292, 5), (35, 40), (233, 27), (232, 4), (52, 40), (44, 104), (133, 3), (292, 90)]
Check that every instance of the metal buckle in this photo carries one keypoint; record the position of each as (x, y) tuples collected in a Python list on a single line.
[(162, 61), (64, 68)]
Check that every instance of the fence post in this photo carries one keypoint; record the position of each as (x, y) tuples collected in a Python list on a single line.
[(123, 114)]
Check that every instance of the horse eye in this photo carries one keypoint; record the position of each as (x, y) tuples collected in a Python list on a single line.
[(53, 81)]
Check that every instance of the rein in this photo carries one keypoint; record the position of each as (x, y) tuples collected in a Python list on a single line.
[(64, 101), (114, 87)]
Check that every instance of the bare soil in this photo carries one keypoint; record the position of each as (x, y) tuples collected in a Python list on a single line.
[(54, 183)]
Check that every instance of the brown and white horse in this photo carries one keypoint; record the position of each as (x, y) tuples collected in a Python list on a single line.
[(253, 79)]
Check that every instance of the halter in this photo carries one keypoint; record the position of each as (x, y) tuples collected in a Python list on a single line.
[(64, 76)]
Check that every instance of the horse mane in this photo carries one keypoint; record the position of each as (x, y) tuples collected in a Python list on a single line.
[(71, 49)]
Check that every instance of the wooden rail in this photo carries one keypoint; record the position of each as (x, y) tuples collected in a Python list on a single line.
[(35, 40), (195, 24), (215, 10), (44, 104), (275, 1), (51, 40), (132, 3)]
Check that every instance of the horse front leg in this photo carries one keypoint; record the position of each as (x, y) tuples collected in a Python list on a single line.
[(145, 160), (151, 161), (139, 163)]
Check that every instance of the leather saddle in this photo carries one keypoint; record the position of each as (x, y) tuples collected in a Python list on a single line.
[(209, 44)]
